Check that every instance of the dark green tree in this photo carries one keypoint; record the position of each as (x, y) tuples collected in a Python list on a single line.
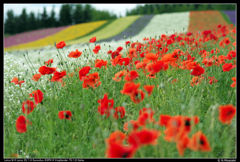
[(32, 22), (22, 22), (78, 14), (10, 23), (65, 15), (87, 13), (44, 19), (51, 21)]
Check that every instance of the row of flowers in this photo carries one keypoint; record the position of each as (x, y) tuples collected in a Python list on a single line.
[(205, 20), (167, 23), (69, 33), (114, 28), (30, 36)]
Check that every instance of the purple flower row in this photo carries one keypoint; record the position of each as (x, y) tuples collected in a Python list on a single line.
[(30, 36), (231, 15)]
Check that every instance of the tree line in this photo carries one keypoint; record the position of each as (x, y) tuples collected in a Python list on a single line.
[(69, 14), (168, 8)]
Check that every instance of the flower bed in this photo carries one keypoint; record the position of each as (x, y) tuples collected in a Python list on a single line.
[(30, 36), (110, 30), (69, 33), (168, 23), (205, 20), (133, 29), (231, 15)]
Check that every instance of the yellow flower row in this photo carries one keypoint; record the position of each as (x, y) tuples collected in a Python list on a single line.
[(114, 28), (69, 33)]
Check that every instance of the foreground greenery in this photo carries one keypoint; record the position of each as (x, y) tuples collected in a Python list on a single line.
[(84, 136)]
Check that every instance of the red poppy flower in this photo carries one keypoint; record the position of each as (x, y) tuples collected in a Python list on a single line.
[(234, 82), (46, 70), (129, 88), (141, 65), (227, 41), (132, 52), (115, 54), (197, 71), (145, 116), (105, 106), (173, 127), (65, 114), (92, 40), (119, 110), (212, 79), (119, 49), (208, 62), (143, 137), (21, 124), (99, 63), (151, 57), (232, 53), (57, 76), (127, 42), (228, 67), (137, 96), (116, 137), (36, 77), (60, 44), (189, 34), (164, 119), (116, 150), (126, 61), (83, 72), (118, 76), (196, 80), (96, 49), (199, 142), (109, 52), (132, 75), (75, 54), (28, 106), (49, 62), (131, 124), (156, 67), (91, 80), (226, 113), (149, 89), (143, 119), (182, 143), (38, 96), (16, 81)]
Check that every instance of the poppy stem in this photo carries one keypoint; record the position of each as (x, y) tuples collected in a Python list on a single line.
[(31, 62), (60, 56), (66, 59), (28, 64)]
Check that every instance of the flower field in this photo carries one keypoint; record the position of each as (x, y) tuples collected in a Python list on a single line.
[(164, 24), (30, 36), (231, 15), (205, 20), (111, 30), (168, 91), (69, 33), (132, 30)]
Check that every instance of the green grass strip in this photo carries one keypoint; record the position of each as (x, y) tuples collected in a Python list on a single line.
[(98, 29), (114, 28)]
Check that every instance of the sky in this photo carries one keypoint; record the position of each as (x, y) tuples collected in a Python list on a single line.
[(118, 9)]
